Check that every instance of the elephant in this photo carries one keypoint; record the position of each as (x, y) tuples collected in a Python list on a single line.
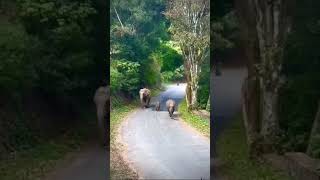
[(157, 106), (145, 96), (170, 106), (102, 102)]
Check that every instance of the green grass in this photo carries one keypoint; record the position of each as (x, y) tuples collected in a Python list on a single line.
[(233, 151), (35, 163), (117, 115), (196, 121), (118, 167)]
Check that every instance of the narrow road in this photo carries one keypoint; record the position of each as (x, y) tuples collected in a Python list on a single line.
[(163, 148), (88, 164), (226, 96)]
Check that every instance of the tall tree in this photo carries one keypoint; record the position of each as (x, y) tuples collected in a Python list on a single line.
[(190, 26), (271, 26)]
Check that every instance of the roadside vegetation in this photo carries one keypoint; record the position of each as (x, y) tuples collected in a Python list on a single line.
[(236, 164), (201, 124), (51, 61), (35, 162), (119, 168)]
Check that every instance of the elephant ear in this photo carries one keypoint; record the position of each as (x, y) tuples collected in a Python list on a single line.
[(148, 92)]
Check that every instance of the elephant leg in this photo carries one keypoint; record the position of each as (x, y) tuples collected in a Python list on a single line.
[(102, 124), (142, 102), (148, 101), (106, 135)]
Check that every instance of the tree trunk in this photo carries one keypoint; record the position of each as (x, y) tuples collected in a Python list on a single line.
[(194, 93), (250, 88), (188, 95), (264, 26), (269, 124), (192, 76), (250, 111), (314, 132), (191, 95)]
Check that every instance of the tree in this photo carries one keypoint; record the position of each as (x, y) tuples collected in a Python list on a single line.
[(136, 30), (271, 26), (190, 22)]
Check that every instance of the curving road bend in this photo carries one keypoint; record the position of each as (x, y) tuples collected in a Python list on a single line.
[(89, 163), (163, 148)]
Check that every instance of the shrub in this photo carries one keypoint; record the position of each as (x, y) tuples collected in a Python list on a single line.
[(151, 71), (125, 76)]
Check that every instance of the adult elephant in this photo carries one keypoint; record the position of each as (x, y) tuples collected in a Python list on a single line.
[(145, 96), (102, 101)]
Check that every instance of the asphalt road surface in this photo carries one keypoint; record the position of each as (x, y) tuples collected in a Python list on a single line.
[(226, 99), (88, 164), (163, 148)]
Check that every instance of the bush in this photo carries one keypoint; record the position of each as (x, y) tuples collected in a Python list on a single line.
[(168, 57), (46, 52), (167, 76), (297, 109), (125, 77), (176, 75), (299, 97), (16, 70), (151, 71), (204, 85)]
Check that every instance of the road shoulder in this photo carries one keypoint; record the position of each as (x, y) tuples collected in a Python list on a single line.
[(120, 166), (196, 122)]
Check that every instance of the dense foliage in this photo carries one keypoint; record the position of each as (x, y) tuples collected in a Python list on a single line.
[(301, 93), (139, 35), (204, 85), (137, 28), (125, 76), (49, 66)]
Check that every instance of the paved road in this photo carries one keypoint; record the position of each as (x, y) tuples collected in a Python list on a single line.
[(89, 164), (226, 99), (163, 148)]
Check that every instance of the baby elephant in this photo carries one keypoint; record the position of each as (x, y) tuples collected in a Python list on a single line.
[(170, 106), (157, 106)]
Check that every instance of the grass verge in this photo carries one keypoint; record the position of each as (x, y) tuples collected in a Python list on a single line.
[(119, 169), (36, 162), (233, 151), (196, 121)]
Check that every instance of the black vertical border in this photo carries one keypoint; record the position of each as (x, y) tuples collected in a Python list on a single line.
[(102, 37), (212, 124)]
